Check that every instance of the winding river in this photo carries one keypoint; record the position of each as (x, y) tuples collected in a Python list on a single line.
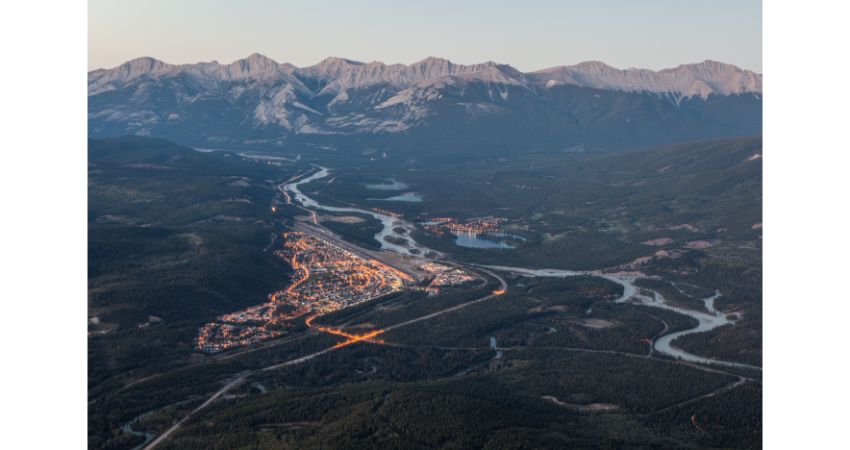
[(404, 243), (705, 321), (388, 237)]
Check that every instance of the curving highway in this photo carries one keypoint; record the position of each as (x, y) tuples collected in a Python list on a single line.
[(662, 343)]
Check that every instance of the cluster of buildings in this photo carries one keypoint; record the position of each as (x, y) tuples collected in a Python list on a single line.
[(326, 278), (216, 336), (476, 225), (444, 276)]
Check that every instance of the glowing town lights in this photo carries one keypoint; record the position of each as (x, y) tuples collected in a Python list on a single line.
[(479, 225), (325, 278)]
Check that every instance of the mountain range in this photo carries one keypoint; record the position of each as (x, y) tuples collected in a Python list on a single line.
[(258, 101)]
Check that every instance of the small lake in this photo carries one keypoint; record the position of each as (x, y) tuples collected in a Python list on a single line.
[(390, 184), (406, 197), (473, 240)]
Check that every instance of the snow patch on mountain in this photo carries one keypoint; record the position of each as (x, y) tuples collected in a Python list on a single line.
[(688, 80), (339, 95)]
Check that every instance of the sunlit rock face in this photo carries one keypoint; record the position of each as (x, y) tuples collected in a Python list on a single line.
[(259, 101)]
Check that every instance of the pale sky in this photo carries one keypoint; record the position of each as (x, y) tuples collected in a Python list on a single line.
[(529, 35)]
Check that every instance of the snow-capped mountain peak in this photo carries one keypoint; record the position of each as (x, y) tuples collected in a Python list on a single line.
[(257, 95), (687, 80), (252, 66)]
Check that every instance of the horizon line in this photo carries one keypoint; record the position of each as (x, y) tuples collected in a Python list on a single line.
[(354, 61)]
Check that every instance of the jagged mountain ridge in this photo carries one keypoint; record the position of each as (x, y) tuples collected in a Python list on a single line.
[(337, 74), (258, 99)]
